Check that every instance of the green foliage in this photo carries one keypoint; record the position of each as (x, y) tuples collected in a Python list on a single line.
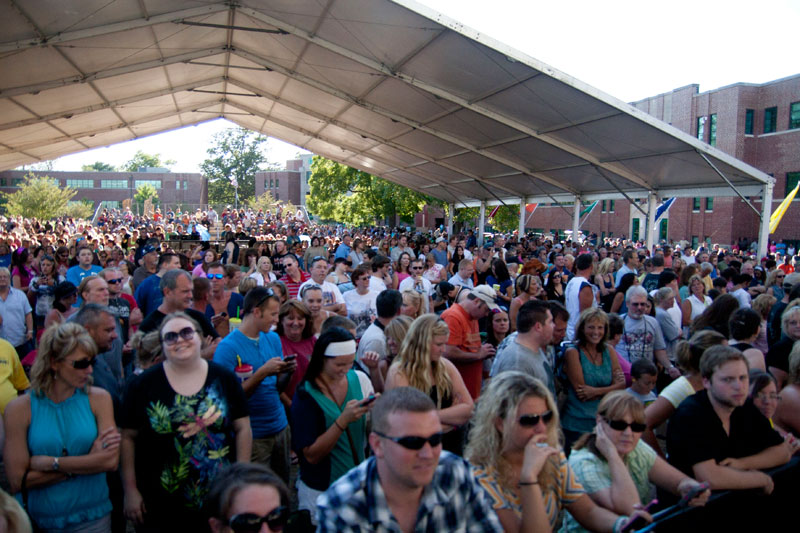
[(467, 214), (84, 209), (143, 192), (237, 153), (99, 166), (39, 197), (506, 219), (141, 159), (350, 196)]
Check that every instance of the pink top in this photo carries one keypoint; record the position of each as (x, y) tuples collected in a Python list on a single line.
[(303, 351)]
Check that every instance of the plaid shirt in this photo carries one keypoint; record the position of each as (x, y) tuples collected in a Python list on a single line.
[(453, 502)]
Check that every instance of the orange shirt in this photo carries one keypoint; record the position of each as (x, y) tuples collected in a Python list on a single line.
[(465, 335), (787, 269)]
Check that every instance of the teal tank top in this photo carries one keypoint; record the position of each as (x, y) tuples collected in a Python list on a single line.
[(59, 430), (578, 415)]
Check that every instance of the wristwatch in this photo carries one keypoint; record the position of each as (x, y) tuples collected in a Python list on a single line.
[(56, 466)]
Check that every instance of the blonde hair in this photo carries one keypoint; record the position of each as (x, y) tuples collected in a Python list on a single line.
[(794, 364), (397, 329), (57, 343), (414, 359), (147, 347), (500, 399), (762, 304), (16, 518), (605, 266), (792, 309), (416, 301)]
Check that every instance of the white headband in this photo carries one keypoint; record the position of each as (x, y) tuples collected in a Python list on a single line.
[(335, 349)]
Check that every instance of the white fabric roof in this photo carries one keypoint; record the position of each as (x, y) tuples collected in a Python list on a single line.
[(390, 87)]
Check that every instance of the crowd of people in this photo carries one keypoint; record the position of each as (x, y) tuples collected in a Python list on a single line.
[(309, 377)]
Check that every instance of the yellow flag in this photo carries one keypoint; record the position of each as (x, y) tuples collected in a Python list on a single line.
[(776, 217)]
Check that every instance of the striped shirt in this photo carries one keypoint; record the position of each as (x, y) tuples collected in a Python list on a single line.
[(294, 286)]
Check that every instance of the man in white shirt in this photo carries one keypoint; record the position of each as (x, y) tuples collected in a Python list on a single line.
[(332, 299), (403, 247), (380, 270), (630, 261), (741, 282), (417, 282), (580, 293), (361, 302), (463, 277)]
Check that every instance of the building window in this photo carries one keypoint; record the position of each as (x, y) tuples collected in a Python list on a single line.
[(3, 182), (177, 184), (110, 204), (114, 184), (266, 183), (277, 195), (712, 130), (16, 182), (748, 121), (701, 128), (276, 183), (603, 234), (635, 229), (770, 119), (185, 185), (696, 205), (80, 184), (794, 116), (709, 204), (791, 182), (611, 206), (154, 183), (603, 206), (271, 183), (662, 230), (695, 241)]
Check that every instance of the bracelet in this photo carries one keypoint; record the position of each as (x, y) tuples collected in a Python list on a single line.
[(526, 483), (619, 523), (336, 423)]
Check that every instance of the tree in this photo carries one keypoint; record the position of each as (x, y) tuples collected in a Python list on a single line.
[(141, 159), (99, 166), (143, 192), (39, 197), (83, 209), (267, 202), (236, 156), (506, 219), (344, 194)]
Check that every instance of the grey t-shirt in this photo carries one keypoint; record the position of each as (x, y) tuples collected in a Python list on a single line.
[(640, 338), (515, 356)]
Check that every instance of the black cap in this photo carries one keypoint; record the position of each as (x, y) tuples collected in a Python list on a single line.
[(65, 289)]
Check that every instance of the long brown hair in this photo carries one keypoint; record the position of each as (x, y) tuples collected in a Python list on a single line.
[(614, 406)]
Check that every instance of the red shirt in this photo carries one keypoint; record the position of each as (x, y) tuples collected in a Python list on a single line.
[(294, 286), (465, 335)]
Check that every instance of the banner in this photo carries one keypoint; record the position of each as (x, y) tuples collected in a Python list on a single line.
[(589, 209), (664, 207), (494, 211), (776, 217), (530, 209)]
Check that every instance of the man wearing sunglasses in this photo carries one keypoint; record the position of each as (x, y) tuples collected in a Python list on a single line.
[(409, 484), (416, 281), (642, 337), (254, 344)]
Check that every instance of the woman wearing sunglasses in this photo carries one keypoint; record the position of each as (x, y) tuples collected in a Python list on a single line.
[(329, 430), (516, 457), (420, 364), (62, 438), (246, 496), (617, 468), (184, 420)]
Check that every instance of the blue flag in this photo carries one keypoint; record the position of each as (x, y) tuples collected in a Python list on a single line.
[(664, 207)]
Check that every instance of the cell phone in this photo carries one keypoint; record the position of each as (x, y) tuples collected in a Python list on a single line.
[(223, 314), (368, 400), (289, 358)]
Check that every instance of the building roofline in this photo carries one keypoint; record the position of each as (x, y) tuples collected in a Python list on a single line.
[(729, 86)]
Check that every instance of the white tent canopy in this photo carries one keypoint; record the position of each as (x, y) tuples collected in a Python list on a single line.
[(389, 87)]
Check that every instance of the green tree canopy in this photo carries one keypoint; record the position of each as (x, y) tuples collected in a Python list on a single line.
[(143, 192), (236, 153), (141, 159), (39, 197), (99, 166), (344, 194), (83, 209)]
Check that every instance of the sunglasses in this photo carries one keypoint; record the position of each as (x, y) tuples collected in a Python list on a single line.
[(171, 337), (114, 281), (621, 425), (83, 364), (251, 523), (212, 276), (318, 258), (414, 443), (529, 421), (416, 268)]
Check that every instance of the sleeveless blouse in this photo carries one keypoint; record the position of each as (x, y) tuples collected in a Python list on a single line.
[(578, 415), (60, 430)]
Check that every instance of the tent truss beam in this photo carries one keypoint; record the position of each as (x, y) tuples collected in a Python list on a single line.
[(730, 184)]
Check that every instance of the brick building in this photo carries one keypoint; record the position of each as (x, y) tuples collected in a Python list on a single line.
[(289, 184), (175, 189), (756, 123)]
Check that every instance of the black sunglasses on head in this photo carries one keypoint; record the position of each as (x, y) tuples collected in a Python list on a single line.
[(529, 421), (414, 443), (251, 523), (621, 425), (83, 364)]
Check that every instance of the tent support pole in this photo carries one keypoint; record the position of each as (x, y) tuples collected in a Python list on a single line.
[(451, 219), (766, 214), (623, 193), (576, 220), (652, 204), (731, 185), (481, 222), (522, 204)]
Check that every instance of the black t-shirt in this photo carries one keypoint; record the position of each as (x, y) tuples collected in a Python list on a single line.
[(181, 442), (778, 355), (695, 433), (153, 321), (121, 308)]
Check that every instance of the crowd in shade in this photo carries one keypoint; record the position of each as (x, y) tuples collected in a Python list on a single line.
[(291, 376)]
